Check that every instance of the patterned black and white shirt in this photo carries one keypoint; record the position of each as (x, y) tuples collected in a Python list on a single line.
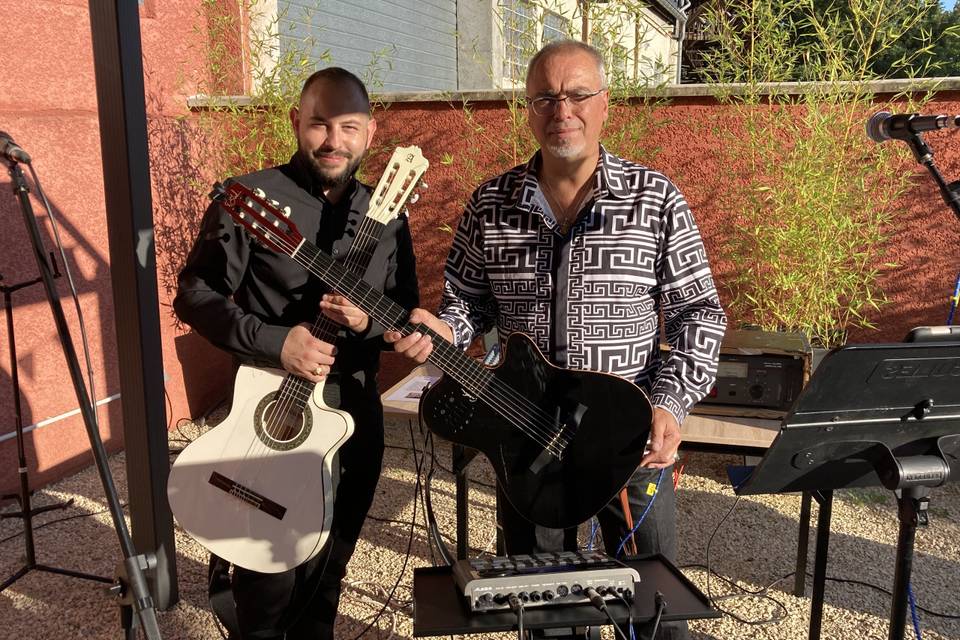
[(591, 298)]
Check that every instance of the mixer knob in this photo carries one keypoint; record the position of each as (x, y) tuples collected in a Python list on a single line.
[(576, 589), (500, 598), (548, 595), (562, 590), (627, 595), (535, 596), (524, 596)]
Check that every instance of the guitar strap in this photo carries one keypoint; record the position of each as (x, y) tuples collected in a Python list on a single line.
[(220, 595)]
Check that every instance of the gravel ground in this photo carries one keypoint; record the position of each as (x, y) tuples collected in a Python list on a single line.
[(753, 549)]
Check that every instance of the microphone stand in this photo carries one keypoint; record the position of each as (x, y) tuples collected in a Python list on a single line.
[(924, 155), (27, 512), (131, 583)]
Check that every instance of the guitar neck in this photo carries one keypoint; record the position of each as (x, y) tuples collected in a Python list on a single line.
[(357, 261), (451, 360)]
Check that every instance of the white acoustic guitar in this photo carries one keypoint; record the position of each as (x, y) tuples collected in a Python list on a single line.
[(257, 490)]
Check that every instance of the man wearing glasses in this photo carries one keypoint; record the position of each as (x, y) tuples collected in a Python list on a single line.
[(585, 252)]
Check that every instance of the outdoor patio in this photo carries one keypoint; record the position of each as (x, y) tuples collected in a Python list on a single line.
[(754, 547)]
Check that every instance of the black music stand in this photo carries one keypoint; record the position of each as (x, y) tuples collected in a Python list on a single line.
[(872, 415), (439, 610)]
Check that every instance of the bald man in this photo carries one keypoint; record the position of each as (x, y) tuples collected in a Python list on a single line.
[(259, 305)]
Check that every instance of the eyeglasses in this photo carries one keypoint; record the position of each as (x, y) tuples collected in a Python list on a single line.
[(547, 105)]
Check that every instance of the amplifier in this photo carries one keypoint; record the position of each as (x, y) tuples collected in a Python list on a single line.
[(760, 374), (543, 579)]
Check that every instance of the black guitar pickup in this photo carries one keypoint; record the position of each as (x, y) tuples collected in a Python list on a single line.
[(249, 496)]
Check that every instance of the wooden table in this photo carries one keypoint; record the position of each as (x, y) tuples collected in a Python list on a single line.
[(722, 434)]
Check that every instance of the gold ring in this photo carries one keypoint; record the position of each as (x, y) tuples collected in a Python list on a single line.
[(318, 371)]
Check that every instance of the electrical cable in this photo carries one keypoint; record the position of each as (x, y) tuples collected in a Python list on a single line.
[(913, 611), (597, 601), (406, 559), (517, 606), (81, 323), (643, 515), (123, 505), (661, 604)]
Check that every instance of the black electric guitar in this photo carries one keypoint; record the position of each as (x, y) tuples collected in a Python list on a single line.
[(562, 442)]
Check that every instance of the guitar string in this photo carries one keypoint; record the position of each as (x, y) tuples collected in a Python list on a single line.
[(282, 406), (544, 432), (295, 390)]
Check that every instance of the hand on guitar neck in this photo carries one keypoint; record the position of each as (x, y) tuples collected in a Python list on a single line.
[(306, 356), (419, 346)]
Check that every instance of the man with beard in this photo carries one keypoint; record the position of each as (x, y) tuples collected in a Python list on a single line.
[(259, 306), (594, 257)]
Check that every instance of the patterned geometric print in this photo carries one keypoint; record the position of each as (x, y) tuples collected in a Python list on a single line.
[(634, 254)]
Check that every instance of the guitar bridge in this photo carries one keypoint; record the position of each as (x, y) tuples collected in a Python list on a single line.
[(247, 495)]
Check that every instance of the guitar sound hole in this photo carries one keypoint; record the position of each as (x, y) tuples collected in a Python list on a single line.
[(281, 427)]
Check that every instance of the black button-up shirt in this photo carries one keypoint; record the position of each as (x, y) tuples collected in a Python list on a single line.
[(244, 297)]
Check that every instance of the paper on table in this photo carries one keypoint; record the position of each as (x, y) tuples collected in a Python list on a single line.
[(412, 389)]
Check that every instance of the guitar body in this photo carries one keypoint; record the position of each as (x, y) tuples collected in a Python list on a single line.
[(256, 494), (609, 422)]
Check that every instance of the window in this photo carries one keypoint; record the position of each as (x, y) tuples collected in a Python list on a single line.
[(555, 27), (519, 37)]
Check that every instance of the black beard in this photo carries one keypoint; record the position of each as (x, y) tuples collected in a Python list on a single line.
[(324, 179)]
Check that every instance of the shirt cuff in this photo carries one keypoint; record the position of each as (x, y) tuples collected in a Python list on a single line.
[(672, 404), (271, 337)]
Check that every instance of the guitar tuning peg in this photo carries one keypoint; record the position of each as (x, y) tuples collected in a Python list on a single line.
[(260, 192), (414, 198), (286, 211), (424, 185)]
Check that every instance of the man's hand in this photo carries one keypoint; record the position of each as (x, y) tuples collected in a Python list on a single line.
[(419, 346), (306, 356), (664, 440), (344, 313)]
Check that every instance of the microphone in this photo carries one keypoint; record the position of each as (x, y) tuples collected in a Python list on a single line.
[(884, 126), (11, 150)]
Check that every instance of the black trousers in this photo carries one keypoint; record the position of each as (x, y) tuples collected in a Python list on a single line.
[(657, 533), (301, 604)]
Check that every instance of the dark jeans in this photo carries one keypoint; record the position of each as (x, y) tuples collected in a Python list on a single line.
[(657, 533), (301, 604)]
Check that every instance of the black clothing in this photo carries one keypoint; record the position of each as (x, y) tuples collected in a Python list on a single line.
[(244, 298), (270, 292)]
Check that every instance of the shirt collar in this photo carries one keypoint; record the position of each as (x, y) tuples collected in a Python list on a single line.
[(608, 181)]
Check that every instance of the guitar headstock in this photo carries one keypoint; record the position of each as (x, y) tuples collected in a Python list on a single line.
[(404, 170), (263, 218)]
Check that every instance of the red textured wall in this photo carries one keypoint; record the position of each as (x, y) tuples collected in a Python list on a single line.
[(48, 103)]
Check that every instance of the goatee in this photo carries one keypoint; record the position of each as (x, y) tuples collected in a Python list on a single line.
[(326, 178)]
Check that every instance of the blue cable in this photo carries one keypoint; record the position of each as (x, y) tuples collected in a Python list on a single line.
[(642, 515), (594, 525), (954, 301), (913, 611)]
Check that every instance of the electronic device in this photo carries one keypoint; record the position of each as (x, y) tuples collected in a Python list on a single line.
[(760, 373), (543, 579), (761, 380)]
